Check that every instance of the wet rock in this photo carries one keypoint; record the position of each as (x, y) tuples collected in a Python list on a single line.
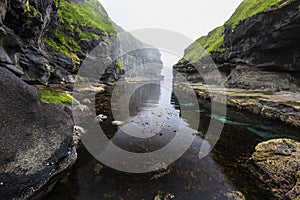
[(80, 113), (36, 139), (78, 133), (277, 164), (235, 195), (118, 123), (164, 196), (100, 118)]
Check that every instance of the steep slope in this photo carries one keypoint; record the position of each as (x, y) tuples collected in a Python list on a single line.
[(139, 59), (46, 41), (255, 46)]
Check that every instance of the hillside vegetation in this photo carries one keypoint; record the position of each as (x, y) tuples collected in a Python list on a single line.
[(75, 22), (213, 42)]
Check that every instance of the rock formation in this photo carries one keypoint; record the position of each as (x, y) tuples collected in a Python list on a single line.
[(46, 41), (277, 164), (254, 52), (36, 139)]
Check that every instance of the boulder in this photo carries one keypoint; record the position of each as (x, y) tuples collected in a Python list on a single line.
[(36, 139), (277, 164)]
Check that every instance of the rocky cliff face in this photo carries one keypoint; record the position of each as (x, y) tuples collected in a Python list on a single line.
[(43, 41), (46, 41), (261, 52), (139, 59)]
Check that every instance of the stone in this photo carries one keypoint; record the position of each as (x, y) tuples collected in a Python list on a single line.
[(118, 123), (36, 139), (100, 118), (277, 164)]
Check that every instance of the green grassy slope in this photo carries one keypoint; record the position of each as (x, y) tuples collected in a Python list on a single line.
[(213, 42), (74, 20)]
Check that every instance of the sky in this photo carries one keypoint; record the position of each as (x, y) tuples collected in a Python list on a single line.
[(192, 18)]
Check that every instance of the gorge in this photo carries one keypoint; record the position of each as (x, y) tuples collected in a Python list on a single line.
[(45, 44)]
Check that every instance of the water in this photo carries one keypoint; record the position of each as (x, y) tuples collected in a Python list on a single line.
[(222, 172)]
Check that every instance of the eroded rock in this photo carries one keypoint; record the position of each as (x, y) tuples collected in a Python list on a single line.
[(36, 139), (277, 164)]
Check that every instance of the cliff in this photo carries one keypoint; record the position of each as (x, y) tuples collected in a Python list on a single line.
[(46, 41), (257, 48)]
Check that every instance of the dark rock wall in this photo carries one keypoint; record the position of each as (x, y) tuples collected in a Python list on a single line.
[(262, 52), (22, 49)]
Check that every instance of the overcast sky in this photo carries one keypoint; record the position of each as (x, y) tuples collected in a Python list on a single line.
[(192, 18)]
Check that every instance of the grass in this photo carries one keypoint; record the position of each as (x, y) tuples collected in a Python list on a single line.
[(88, 14), (214, 41), (206, 44), (75, 19), (120, 66), (54, 97), (249, 8), (65, 45)]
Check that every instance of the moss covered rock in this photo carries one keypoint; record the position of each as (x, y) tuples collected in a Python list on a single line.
[(277, 164)]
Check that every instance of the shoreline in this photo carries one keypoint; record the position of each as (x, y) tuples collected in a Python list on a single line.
[(283, 106)]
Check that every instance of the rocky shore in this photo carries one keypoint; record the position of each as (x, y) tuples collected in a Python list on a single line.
[(277, 164), (283, 106)]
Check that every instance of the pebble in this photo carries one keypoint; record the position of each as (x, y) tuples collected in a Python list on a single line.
[(100, 118)]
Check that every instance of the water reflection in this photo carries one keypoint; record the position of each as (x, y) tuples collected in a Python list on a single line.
[(216, 176)]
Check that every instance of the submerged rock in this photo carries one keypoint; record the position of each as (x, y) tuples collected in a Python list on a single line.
[(277, 164), (36, 140)]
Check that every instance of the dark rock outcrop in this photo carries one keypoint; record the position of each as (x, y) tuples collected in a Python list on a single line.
[(25, 27), (261, 52), (39, 46), (21, 41), (36, 139), (277, 164)]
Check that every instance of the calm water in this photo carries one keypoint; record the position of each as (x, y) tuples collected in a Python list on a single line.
[(224, 170)]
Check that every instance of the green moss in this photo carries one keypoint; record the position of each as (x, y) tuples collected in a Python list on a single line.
[(214, 41), (120, 66), (30, 11), (54, 97), (249, 8), (84, 35), (211, 43), (55, 3), (63, 48), (73, 15), (75, 19)]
